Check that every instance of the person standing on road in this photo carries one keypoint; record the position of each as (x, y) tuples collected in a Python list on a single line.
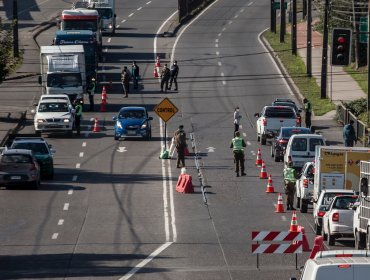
[(78, 115), (91, 91), (237, 118), (125, 78), (165, 76), (307, 107), (180, 143), (290, 178), (238, 145), (349, 134), (174, 71), (135, 72)]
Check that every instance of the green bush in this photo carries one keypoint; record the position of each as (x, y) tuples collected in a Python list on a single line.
[(357, 107)]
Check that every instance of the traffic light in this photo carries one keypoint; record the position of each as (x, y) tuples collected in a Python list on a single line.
[(341, 42)]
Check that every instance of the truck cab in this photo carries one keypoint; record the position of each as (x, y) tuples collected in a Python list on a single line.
[(106, 10)]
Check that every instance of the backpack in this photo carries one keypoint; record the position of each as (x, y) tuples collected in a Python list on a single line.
[(180, 139)]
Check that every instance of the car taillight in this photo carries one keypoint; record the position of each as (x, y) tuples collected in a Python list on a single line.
[(344, 266), (305, 183), (335, 217), (298, 120), (320, 214), (283, 141), (264, 122), (343, 255)]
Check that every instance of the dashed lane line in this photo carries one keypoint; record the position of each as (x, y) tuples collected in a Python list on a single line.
[(123, 21), (109, 39), (130, 15), (230, 22), (78, 165), (219, 63), (216, 45), (60, 222), (81, 154), (147, 3), (248, 143), (245, 135), (217, 53), (83, 144), (117, 25), (138, 9), (216, 40), (223, 29), (242, 10), (236, 16), (55, 236), (250, 4), (224, 82), (66, 207), (283, 218), (222, 74), (70, 192), (219, 34)]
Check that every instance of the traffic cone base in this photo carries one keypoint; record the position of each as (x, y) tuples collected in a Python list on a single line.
[(270, 186), (280, 205), (155, 73), (263, 173), (293, 223), (259, 158)]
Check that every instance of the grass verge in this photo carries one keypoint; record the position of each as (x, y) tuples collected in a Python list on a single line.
[(297, 71)]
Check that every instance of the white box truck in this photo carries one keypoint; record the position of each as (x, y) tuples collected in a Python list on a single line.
[(63, 70), (107, 13)]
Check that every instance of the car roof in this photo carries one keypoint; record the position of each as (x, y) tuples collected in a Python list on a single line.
[(29, 139), (53, 100), (284, 100), (342, 256), (17, 151), (132, 108), (54, 96), (337, 191), (295, 127), (307, 135)]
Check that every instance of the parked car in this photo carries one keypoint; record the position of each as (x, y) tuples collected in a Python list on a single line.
[(19, 166), (42, 151), (55, 96), (289, 103), (321, 205), (134, 122), (301, 149), (54, 115), (304, 187), (271, 119), (280, 141), (338, 265), (338, 219)]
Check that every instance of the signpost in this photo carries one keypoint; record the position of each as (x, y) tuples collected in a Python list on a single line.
[(364, 30), (165, 110), (276, 5)]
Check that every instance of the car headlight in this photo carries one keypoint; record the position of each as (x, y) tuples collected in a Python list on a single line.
[(66, 120), (143, 126), (40, 120), (110, 26), (119, 125)]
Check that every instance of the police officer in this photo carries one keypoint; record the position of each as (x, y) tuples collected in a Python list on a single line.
[(135, 73), (290, 178), (165, 76), (238, 144), (125, 78), (78, 115), (174, 71), (307, 107), (91, 92)]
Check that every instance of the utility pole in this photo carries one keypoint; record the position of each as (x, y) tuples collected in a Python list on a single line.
[(15, 29), (368, 60), (324, 65), (309, 39), (294, 28), (273, 17), (282, 23)]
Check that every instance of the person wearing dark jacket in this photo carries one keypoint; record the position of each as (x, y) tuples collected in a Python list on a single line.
[(135, 73), (165, 76), (238, 145), (174, 71), (349, 134)]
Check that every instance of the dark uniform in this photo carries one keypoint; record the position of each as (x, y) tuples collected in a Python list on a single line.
[(290, 178), (308, 112), (165, 76), (180, 143), (349, 134), (91, 91), (78, 115), (135, 72), (125, 78), (238, 144), (174, 71)]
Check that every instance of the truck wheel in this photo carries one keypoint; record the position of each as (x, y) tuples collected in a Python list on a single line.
[(258, 138), (359, 241), (263, 140), (298, 205), (317, 229), (116, 138), (304, 206), (276, 158), (38, 133), (331, 239)]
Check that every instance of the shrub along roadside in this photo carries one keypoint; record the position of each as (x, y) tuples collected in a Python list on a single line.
[(296, 68)]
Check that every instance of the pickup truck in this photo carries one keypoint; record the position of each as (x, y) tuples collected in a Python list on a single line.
[(271, 119)]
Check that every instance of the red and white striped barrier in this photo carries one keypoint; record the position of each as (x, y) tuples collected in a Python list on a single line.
[(276, 248), (276, 236)]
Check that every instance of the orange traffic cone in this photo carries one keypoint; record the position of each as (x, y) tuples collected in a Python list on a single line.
[(270, 186), (157, 62), (305, 245), (263, 173), (280, 205), (293, 223), (104, 96), (96, 126), (155, 72), (259, 158)]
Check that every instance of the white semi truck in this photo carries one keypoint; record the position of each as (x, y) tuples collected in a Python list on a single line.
[(63, 70), (107, 13)]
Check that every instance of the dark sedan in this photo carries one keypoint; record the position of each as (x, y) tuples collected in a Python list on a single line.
[(280, 142)]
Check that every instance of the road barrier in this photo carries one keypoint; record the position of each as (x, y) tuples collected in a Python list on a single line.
[(187, 8)]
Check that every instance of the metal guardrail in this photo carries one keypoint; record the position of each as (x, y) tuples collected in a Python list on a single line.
[(345, 116)]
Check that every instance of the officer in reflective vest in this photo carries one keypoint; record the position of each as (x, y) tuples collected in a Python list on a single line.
[(238, 144), (78, 115), (308, 112), (290, 178)]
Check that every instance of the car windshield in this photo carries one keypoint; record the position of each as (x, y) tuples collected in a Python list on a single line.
[(80, 25), (36, 148), (53, 107), (328, 198), (105, 13), (289, 104), (279, 112), (64, 80), (16, 158), (138, 114), (286, 133), (299, 144), (315, 142), (344, 202)]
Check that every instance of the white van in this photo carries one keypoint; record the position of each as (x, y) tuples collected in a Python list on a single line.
[(301, 148), (338, 265)]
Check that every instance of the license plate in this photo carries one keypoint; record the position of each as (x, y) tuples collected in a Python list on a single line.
[(15, 177), (131, 132)]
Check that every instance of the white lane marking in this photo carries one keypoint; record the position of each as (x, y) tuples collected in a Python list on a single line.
[(219, 63), (253, 153), (248, 143), (74, 178), (230, 22), (224, 82), (143, 263), (123, 21), (147, 3), (273, 62), (130, 15), (55, 236), (82, 154), (250, 4), (283, 218), (219, 34), (121, 149), (60, 222), (105, 50), (139, 8), (242, 10), (117, 26), (216, 40), (172, 203), (66, 207), (240, 127), (83, 144), (223, 29), (78, 165), (245, 135), (216, 45), (217, 53), (222, 74), (109, 39), (236, 16), (70, 192)]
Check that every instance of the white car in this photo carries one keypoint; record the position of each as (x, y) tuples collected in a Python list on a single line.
[(304, 187), (321, 204), (338, 220), (54, 115), (55, 96)]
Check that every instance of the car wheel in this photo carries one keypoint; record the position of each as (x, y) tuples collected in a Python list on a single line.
[(258, 138), (331, 239), (38, 133), (51, 175), (116, 138), (35, 184), (304, 206), (324, 236), (298, 205), (276, 158), (317, 229), (359, 241), (263, 140)]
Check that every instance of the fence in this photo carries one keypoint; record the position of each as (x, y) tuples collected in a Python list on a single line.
[(189, 7), (345, 116)]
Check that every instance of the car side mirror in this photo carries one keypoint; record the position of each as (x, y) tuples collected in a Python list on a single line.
[(257, 115), (300, 110), (115, 15), (114, 118), (293, 278), (58, 22), (33, 111), (150, 118), (52, 151)]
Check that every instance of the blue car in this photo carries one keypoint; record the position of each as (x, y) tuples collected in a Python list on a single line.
[(132, 122)]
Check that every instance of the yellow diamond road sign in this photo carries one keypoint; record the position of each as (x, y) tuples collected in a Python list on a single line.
[(166, 109)]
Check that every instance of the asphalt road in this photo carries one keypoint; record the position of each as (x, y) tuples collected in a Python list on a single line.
[(112, 211)]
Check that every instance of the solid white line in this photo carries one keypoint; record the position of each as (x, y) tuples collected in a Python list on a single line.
[(216, 40), (55, 236), (109, 39), (60, 222), (146, 261), (148, 2), (222, 74), (123, 21), (78, 165), (81, 154), (173, 216), (66, 206), (217, 53), (248, 143), (219, 34), (74, 178), (83, 144), (219, 63), (70, 192), (139, 8), (216, 45), (224, 82), (130, 15), (245, 135)]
